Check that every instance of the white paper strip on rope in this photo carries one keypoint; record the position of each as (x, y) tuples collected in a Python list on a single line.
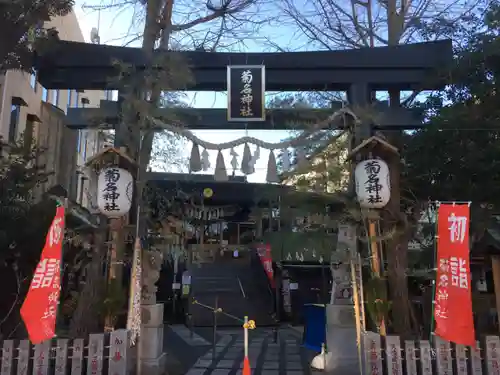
[(195, 159), (285, 160), (234, 160), (205, 160), (272, 170), (220, 168)]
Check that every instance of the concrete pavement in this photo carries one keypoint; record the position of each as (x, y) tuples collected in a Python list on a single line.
[(286, 357)]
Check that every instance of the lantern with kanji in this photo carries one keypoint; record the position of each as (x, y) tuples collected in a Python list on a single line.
[(115, 188), (373, 186)]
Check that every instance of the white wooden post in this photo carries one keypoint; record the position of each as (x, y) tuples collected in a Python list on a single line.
[(41, 359), (77, 357), (393, 355), (425, 357), (95, 358), (7, 357), (118, 351), (410, 357), (443, 356), (61, 357), (492, 355), (24, 357), (461, 359), (373, 353), (476, 361)]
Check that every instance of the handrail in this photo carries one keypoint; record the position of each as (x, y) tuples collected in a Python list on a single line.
[(241, 287), (217, 310)]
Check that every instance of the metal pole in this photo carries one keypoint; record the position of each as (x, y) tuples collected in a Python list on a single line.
[(245, 339), (139, 338), (278, 279), (216, 307)]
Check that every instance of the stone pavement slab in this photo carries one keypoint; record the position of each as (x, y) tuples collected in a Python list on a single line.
[(286, 357)]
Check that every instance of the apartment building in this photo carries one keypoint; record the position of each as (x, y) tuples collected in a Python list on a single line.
[(30, 112)]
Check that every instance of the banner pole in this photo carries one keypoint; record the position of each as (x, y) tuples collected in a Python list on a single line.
[(245, 330), (435, 265), (246, 360)]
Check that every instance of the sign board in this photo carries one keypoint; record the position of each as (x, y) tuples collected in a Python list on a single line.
[(246, 93)]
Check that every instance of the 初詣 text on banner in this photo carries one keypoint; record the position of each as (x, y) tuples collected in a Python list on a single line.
[(453, 301)]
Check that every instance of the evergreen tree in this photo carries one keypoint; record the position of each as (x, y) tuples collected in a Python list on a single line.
[(21, 27)]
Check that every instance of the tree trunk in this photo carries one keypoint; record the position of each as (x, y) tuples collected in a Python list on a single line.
[(397, 247), (86, 318)]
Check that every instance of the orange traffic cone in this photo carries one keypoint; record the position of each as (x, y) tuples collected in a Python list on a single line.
[(246, 367)]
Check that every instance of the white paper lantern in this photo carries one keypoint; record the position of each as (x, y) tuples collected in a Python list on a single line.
[(373, 185), (115, 187)]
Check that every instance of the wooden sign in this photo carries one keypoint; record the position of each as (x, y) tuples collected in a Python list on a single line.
[(61, 357), (475, 359), (492, 355), (393, 355), (41, 359), (7, 357), (461, 359), (118, 345), (246, 90), (96, 347), (410, 357), (444, 363), (77, 357), (24, 357), (425, 357), (373, 354)]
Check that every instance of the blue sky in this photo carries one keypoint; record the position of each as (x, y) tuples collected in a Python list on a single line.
[(114, 28)]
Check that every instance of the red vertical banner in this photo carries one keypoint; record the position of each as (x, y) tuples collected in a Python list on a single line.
[(453, 301), (266, 259), (39, 309)]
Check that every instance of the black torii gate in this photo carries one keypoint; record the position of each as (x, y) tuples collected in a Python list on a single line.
[(359, 72)]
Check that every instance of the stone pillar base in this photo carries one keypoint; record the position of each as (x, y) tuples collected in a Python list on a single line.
[(153, 360), (157, 366), (343, 356)]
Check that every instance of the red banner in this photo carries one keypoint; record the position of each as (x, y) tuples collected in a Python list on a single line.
[(266, 259), (453, 301), (39, 309)]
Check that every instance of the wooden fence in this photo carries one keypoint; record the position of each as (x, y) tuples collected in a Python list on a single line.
[(392, 356), (101, 354)]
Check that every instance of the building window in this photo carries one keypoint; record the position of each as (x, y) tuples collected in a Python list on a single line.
[(84, 147), (55, 97), (28, 133), (77, 100), (78, 142), (15, 112), (33, 81), (45, 94)]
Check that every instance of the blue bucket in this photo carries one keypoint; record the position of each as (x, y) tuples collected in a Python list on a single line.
[(315, 326)]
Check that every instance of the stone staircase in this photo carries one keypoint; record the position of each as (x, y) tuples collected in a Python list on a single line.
[(231, 284)]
